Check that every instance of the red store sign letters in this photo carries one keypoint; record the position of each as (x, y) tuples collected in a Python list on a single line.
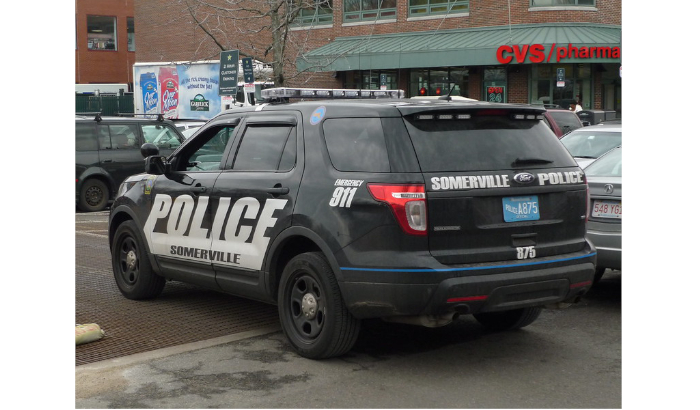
[(535, 53)]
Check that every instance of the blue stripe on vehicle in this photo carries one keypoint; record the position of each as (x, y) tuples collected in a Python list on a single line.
[(476, 268)]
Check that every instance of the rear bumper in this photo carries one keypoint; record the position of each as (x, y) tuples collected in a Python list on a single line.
[(609, 248), (474, 289)]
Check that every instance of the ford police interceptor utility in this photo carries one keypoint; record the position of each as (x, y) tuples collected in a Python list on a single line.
[(339, 210)]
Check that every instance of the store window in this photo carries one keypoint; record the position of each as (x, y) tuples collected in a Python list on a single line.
[(438, 82), (420, 8), (557, 85), (372, 79), (101, 33), (561, 3), (315, 12), (131, 46), (368, 10)]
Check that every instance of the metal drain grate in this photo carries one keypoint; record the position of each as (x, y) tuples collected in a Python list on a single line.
[(181, 314)]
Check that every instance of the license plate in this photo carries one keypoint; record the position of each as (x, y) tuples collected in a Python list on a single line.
[(521, 208), (607, 209)]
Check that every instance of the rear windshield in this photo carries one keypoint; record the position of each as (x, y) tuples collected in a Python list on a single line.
[(566, 120), (609, 165), (485, 142)]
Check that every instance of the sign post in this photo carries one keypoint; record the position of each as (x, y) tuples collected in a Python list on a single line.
[(228, 72)]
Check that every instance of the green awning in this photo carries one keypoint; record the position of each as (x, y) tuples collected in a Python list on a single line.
[(458, 47)]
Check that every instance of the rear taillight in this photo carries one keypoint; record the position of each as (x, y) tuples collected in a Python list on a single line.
[(588, 198), (408, 204)]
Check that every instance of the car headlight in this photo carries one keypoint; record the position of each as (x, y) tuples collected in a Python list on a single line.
[(124, 187)]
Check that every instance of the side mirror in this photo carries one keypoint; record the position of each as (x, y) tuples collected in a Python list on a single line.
[(157, 165), (148, 150)]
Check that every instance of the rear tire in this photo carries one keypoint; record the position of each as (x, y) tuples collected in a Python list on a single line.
[(94, 195), (311, 309), (509, 319), (132, 268)]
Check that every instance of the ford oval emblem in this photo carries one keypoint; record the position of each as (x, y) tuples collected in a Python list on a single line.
[(524, 178)]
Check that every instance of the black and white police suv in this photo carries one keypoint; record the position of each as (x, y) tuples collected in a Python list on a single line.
[(339, 210)]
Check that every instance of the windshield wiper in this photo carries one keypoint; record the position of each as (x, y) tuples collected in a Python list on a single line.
[(529, 161)]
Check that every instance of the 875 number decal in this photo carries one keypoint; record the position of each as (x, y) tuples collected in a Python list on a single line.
[(526, 252)]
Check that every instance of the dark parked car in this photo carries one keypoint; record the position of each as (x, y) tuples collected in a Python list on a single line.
[(107, 150), (342, 210), (561, 122), (605, 220)]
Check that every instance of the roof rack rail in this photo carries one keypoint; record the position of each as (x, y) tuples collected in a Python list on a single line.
[(283, 94), (97, 114), (160, 117)]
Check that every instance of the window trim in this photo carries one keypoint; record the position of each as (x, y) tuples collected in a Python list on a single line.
[(314, 21), (560, 7)]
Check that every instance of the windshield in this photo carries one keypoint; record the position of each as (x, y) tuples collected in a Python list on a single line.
[(609, 165), (484, 142), (587, 142)]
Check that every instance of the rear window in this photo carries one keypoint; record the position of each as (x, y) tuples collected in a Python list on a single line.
[(609, 165), (566, 120), (356, 144), (483, 143)]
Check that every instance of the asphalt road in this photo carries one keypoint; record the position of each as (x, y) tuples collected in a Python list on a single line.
[(569, 358)]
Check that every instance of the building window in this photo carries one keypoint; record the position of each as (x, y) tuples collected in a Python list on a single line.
[(368, 10), (556, 3), (101, 33), (439, 82), (315, 12), (130, 34), (420, 8), (371, 79)]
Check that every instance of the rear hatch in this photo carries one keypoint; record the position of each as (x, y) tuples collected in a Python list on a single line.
[(499, 184)]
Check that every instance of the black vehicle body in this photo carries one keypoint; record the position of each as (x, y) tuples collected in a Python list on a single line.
[(395, 252), (104, 158)]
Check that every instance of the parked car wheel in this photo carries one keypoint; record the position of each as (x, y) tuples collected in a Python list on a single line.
[(132, 269), (509, 319), (94, 195), (311, 309)]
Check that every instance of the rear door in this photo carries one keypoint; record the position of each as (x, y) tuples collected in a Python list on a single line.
[(500, 186), (120, 153)]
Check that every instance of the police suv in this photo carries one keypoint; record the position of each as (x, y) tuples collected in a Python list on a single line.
[(346, 207)]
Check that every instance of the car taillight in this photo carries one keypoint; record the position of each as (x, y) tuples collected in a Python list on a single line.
[(588, 198), (407, 202)]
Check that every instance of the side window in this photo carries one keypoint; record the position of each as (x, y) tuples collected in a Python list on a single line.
[(161, 135), (103, 139), (356, 144), (124, 136), (85, 137), (207, 155), (266, 148)]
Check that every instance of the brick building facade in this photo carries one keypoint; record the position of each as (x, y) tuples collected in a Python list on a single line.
[(188, 31), (104, 49)]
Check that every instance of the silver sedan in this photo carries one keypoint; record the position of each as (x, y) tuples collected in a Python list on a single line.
[(605, 219)]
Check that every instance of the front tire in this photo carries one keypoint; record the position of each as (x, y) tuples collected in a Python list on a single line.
[(509, 319), (94, 195), (312, 312), (132, 268)]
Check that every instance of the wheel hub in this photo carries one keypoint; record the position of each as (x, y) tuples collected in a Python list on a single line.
[(131, 260), (309, 306)]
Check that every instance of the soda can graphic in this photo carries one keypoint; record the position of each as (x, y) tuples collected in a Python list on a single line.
[(169, 97), (149, 90)]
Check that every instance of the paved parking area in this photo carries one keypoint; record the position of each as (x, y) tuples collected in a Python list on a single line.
[(181, 314)]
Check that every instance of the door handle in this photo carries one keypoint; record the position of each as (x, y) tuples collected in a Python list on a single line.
[(107, 160), (277, 190), (198, 189)]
